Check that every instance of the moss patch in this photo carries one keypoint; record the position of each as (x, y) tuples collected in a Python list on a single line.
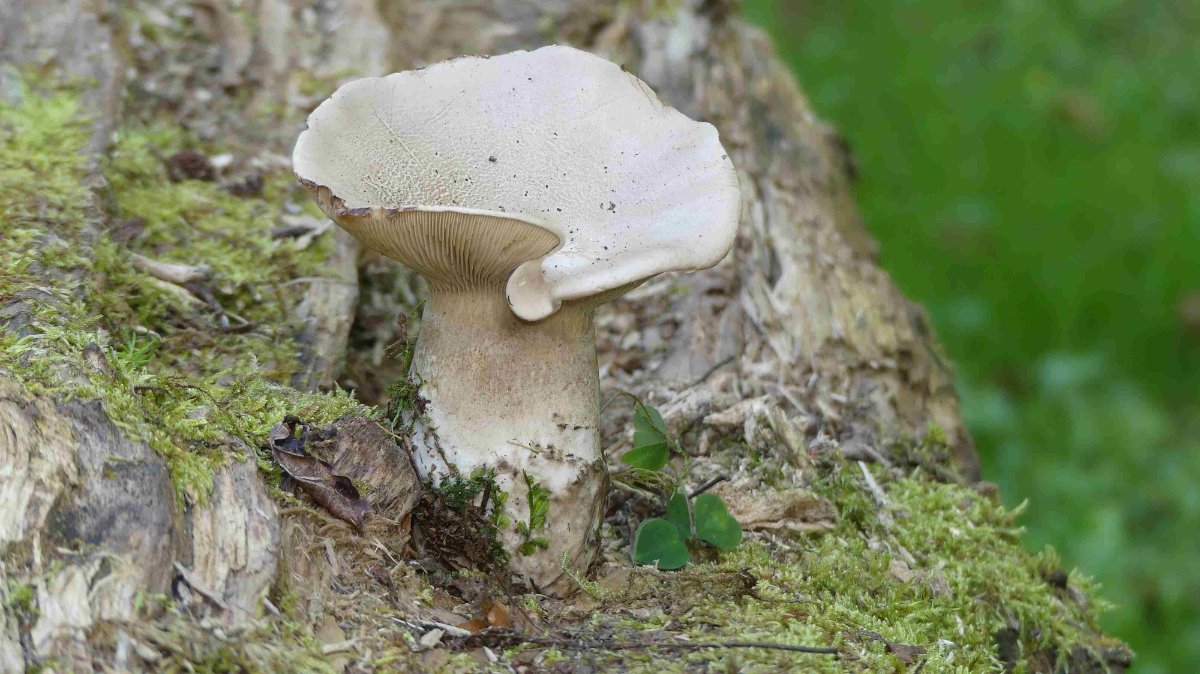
[(89, 325), (940, 567), (266, 646)]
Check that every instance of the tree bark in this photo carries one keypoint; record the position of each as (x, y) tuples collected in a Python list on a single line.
[(798, 341)]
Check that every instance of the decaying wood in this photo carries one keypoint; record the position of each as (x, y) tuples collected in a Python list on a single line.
[(797, 338), (326, 314)]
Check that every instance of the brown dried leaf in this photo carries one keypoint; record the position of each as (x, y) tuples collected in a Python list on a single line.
[(906, 653), (473, 626), (190, 165), (336, 493), (364, 452), (797, 510), (497, 615)]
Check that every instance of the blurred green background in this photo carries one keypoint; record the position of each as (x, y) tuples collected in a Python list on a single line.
[(1032, 170)]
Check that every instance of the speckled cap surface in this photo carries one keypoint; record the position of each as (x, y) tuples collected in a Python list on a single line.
[(556, 138)]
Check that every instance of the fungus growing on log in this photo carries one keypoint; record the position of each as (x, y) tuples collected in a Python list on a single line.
[(527, 189)]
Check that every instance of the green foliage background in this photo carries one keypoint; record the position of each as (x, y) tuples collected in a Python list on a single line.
[(1032, 170)]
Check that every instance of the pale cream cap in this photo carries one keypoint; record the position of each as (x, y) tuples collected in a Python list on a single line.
[(554, 138)]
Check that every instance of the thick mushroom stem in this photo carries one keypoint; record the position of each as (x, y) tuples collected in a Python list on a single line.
[(519, 400), (516, 399)]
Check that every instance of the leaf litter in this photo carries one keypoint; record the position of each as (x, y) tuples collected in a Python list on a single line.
[(316, 478)]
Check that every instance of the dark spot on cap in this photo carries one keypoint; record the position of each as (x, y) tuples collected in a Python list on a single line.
[(492, 159)]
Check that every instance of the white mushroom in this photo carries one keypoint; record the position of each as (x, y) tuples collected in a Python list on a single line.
[(528, 189)]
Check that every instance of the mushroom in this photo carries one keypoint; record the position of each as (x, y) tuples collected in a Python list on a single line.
[(527, 189)]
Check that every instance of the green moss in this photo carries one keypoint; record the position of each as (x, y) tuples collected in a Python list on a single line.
[(662, 9), (264, 646), (405, 406), (851, 588), (480, 521), (458, 492), (164, 368), (21, 598)]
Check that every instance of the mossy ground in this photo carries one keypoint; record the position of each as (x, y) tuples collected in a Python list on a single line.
[(968, 580), (167, 373), (939, 566)]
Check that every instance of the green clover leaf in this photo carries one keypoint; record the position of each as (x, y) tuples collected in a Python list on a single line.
[(657, 542), (714, 524)]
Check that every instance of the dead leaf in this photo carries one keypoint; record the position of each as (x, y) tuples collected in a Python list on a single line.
[(249, 186), (334, 641), (473, 626), (433, 660), (335, 493), (796, 510), (190, 165), (906, 653), (364, 452), (497, 615)]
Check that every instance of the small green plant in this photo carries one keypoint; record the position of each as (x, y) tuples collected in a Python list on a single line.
[(459, 492), (539, 505), (405, 405), (468, 512), (690, 520), (21, 599), (135, 352)]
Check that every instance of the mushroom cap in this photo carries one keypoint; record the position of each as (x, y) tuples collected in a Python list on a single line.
[(557, 138)]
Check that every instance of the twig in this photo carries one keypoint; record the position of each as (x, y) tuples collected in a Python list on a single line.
[(688, 645), (876, 455), (709, 372), (510, 638), (177, 290), (271, 608), (319, 279), (708, 485), (290, 231), (884, 513), (423, 624), (338, 647), (876, 490), (171, 272), (625, 486), (207, 295), (200, 588)]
